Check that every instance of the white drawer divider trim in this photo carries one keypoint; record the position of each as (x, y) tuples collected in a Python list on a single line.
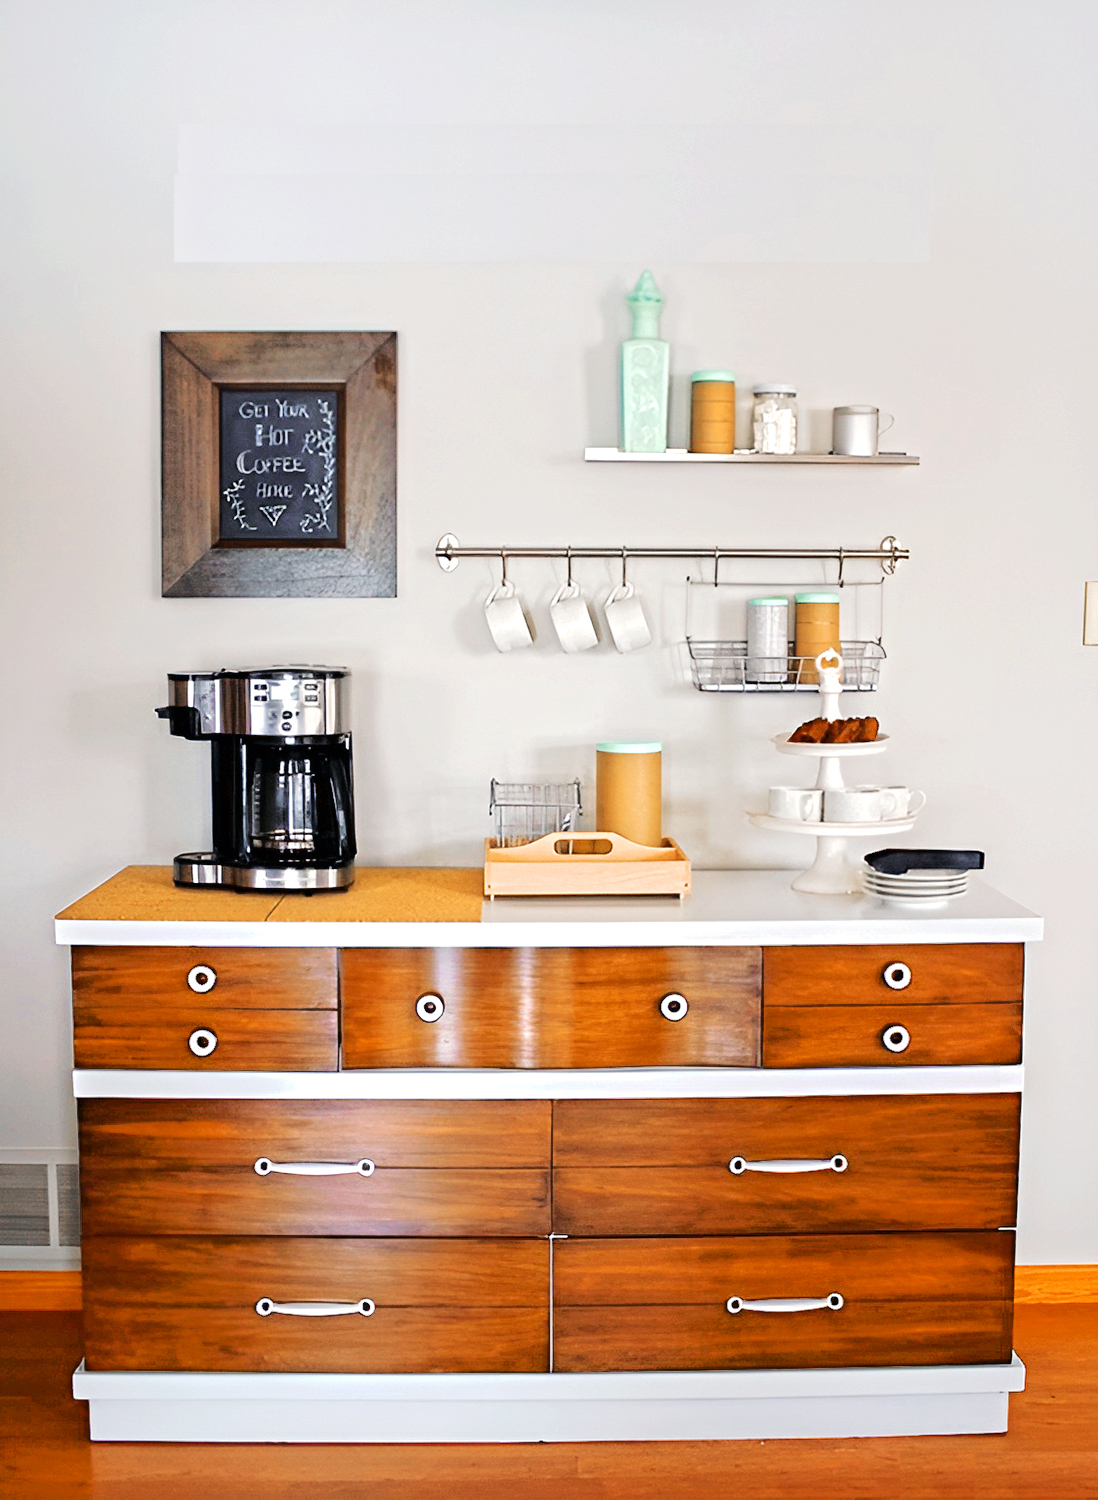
[(548, 1083)]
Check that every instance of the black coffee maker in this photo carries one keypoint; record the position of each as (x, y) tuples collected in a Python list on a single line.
[(280, 749)]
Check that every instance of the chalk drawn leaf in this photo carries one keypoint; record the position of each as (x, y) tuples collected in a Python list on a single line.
[(322, 441), (236, 505)]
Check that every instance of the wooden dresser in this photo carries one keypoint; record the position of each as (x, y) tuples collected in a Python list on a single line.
[(398, 1165)]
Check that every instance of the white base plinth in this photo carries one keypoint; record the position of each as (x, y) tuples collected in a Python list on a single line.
[(227, 1408)]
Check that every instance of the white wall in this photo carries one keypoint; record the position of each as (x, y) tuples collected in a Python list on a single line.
[(985, 350)]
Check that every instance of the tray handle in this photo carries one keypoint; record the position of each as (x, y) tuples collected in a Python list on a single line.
[(545, 851)]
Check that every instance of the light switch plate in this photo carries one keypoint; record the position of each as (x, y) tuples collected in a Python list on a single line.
[(1090, 614)]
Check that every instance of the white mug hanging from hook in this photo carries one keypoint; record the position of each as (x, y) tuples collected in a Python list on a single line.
[(506, 614), (625, 614), (571, 615)]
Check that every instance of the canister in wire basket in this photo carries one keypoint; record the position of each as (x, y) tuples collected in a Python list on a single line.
[(817, 630), (767, 639)]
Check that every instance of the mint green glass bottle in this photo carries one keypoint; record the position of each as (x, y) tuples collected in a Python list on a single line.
[(645, 373)]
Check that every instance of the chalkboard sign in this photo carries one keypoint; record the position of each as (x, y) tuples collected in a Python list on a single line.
[(280, 467)]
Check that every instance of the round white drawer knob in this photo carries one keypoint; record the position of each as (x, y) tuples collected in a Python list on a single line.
[(896, 976), (430, 1007), (896, 1038), (673, 1007), (202, 1042), (202, 979)]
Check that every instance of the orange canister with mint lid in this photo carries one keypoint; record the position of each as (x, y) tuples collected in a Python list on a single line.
[(712, 411), (816, 629), (628, 790)]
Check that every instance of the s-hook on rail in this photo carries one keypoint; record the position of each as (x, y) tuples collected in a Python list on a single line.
[(448, 553)]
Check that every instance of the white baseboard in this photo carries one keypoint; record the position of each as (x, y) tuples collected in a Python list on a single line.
[(722, 1404)]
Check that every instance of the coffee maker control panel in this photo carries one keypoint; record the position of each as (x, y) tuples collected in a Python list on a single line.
[(282, 702), (288, 706)]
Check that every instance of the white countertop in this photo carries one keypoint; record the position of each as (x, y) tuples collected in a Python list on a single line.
[(727, 908)]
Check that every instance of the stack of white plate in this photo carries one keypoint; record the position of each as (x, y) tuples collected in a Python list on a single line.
[(917, 885)]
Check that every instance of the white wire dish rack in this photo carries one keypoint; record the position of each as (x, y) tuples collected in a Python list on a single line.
[(527, 810), (725, 667)]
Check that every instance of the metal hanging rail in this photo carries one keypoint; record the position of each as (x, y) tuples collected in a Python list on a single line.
[(448, 553)]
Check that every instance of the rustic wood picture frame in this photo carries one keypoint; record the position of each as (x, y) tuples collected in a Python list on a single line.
[(195, 368)]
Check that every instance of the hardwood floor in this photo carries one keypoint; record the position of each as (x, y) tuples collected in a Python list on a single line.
[(1051, 1450)]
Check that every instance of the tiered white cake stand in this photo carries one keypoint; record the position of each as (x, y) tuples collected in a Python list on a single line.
[(833, 872)]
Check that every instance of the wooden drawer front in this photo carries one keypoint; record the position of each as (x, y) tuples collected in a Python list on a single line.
[(190, 1304), (550, 1007), (259, 978), (864, 1036), (188, 1167), (170, 1036), (480, 1022), (940, 974), (601, 1007), (907, 1299), (662, 1167)]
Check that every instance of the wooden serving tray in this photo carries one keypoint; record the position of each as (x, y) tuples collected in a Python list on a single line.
[(546, 867)]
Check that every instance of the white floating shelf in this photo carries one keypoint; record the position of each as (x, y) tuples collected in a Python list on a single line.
[(682, 456)]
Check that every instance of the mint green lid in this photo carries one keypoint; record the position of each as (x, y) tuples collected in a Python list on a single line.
[(621, 747), (713, 375), (817, 598), (780, 599)]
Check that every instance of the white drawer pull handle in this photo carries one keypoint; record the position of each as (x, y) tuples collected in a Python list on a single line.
[(896, 976), (430, 1007), (784, 1304), (202, 1042), (202, 979), (738, 1165), (896, 1038), (673, 1007), (265, 1166), (265, 1307)]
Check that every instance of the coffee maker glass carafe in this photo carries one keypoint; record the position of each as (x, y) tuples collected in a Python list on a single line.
[(298, 802), (281, 776)]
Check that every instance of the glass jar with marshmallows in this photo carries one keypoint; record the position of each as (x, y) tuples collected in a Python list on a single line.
[(775, 419)]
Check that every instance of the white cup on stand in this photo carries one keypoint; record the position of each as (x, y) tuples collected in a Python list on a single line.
[(506, 617), (901, 802), (852, 804), (870, 804), (801, 804)]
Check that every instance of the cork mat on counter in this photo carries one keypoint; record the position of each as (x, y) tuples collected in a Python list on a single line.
[(145, 893), (393, 895)]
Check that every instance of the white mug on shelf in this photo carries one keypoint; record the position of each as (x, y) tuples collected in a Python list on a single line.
[(506, 618), (855, 430), (852, 804), (798, 803), (571, 617), (626, 618)]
